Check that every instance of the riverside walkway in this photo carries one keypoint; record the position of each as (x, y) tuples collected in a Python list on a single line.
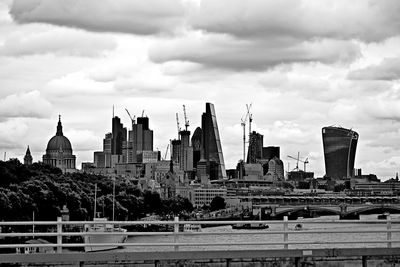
[(280, 244)]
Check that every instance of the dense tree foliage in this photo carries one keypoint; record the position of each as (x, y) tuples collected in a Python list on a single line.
[(217, 203), (41, 191)]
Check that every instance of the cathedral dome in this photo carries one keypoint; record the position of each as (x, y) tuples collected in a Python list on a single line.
[(59, 141)]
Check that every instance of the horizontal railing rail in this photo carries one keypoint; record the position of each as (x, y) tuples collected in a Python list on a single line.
[(284, 234)]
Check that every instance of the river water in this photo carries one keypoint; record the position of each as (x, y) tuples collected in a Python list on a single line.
[(232, 238)]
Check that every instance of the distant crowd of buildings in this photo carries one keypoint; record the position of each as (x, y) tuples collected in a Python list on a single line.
[(196, 167)]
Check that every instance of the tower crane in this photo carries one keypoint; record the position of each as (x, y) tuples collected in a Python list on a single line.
[(177, 124), (132, 119), (243, 123), (166, 152), (186, 119), (250, 117), (297, 161)]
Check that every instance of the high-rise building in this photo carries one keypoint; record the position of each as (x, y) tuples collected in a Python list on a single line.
[(28, 157), (255, 147), (270, 152), (176, 150), (186, 162), (118, 136), (212, 144), (140, 139), (59, 151), (197, 145), (340, 151)]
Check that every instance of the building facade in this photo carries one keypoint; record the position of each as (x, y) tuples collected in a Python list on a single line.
[(340, 146)]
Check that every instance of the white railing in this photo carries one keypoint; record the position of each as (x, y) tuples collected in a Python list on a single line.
[(281, 234)]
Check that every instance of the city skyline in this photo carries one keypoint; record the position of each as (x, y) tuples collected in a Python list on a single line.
[(298, 75)]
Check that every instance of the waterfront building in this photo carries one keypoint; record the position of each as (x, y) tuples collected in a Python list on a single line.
[(28, 157), (59, 151), (212, 144), (203, 196), (339, 150)]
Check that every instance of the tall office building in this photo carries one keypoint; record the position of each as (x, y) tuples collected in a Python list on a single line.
[(270, 152), (212, 144), (197, 145), (340, 151), (186, 162), (118, 136), (255, 147), (140, 139)]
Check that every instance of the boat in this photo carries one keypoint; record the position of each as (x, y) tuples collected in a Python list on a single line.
[(250, 226), (298, 226), (383, 216), (100, 226), (191, 227)]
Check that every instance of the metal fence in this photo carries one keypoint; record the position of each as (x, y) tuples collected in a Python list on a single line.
[(285, 235)]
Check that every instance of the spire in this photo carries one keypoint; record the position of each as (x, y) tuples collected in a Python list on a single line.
[(28, 151), (59, 126)]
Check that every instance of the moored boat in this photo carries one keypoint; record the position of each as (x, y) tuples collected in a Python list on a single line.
[(101, 235), (250, 226)]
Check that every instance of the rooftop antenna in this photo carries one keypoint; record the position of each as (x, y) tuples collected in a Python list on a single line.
[(113, 111), (142, 113), (5, 154), (186, 119)]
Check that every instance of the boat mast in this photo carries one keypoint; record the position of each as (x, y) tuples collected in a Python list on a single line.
[(95, 200)]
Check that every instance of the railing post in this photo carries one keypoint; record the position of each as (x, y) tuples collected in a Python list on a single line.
[(59, 235), (176, 230), (285, 234), (389, 234)]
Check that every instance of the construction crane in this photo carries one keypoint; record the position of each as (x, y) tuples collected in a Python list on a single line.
[(132, 119), (177, 124), (250, 117), (166, 152), (243, 123), (297, 161), (186, 119)]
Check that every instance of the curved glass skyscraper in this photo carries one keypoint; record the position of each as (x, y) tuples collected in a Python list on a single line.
[(340, 151)]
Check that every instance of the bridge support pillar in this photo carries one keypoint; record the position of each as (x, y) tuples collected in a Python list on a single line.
[(228, 262), (364, 261)]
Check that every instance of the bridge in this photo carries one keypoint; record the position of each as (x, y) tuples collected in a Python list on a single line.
[(344, 210), (280, 244)]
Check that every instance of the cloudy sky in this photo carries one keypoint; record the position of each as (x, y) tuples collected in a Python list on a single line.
[(302, 64)]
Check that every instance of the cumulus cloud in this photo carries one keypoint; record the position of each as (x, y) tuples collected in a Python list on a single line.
[(126, 16), (57, 41), (31, 105), (221, 50), (388, 69), (369, 21)]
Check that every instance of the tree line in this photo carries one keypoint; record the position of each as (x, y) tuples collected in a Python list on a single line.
[(40, 191)]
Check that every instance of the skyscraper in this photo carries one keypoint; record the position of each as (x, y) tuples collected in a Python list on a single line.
[(197, 145), (118, 136), (339, 150), (212, 144), (255, 147), (140, 139)]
